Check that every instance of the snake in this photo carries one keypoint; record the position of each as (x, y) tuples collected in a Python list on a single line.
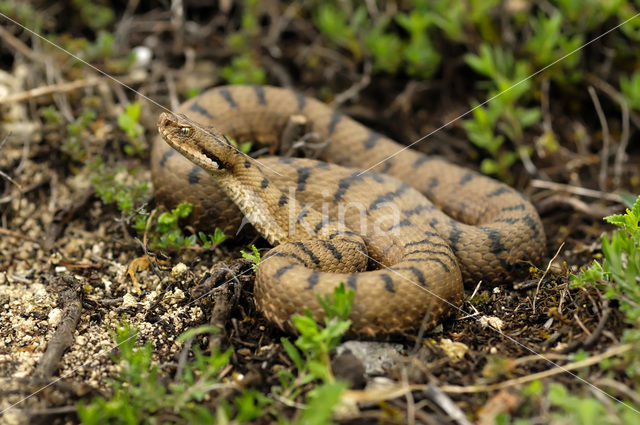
[(404, 230)]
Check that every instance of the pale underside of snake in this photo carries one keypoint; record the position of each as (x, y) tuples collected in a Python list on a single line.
[(405, 236)]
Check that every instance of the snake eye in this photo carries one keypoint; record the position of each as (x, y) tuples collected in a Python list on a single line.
[(186, 131)]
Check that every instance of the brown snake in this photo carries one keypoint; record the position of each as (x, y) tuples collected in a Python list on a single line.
[(408, 269)]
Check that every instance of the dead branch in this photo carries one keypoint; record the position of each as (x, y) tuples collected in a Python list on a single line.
[(604, 154), (71, 299), (62, 88), (481, 388), (576, 190)]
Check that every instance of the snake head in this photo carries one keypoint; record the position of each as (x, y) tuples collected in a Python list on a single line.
[(204, 147)]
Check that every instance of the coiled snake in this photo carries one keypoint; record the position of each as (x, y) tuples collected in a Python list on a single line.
[(404, 236)]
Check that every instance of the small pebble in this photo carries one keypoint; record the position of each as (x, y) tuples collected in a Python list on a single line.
[(143, 55), (54, 317), (129, 300), (178, 270)]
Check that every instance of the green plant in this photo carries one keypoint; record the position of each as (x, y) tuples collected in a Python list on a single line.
[(252, 256), (135, 387), (211, 241), (140, 395), (100, 48), (311, 357), (24, 13), (241, 40), (587, 410), (384, 47), (340, 27), (244, 147), (315, 341), (243, 69), (51, 116), (191, 92), (420, 54), (480, 14), (547, 44), (618, 277), (587, 14), (170, 233), (165, 232), (567, 407), (95, 15), (367, 36), (626, 12), (502, 116), (129, 123), (118, 184), (320, 403), (76, 132), (449, 17), (630, 87), (619, 273)]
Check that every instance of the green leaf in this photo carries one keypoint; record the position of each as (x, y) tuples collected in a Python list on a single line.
[(219, 236), (628, 199), (489, 166), (320, 405), (293, 352), (529, 116), (249, 404), (305, 325), (245, 147), (255, 257), (183, 210), (167, 218), (193, 332)]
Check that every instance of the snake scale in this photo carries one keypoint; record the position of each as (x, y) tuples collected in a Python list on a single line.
[(405, 236)]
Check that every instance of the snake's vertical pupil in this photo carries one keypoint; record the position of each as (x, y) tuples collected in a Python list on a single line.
[(185, 131)]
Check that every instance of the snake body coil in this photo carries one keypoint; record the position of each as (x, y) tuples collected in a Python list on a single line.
[(404, 236)]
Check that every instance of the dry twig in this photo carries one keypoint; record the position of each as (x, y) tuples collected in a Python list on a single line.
[(621, 152), (481, 388), (613, 94), (71, 298), (576, 190), (604, 154), (446, 404), (17, 44), (57, 88)]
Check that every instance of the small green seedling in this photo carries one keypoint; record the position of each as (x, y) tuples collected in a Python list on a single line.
[(255, 257), (211, 241), (118, 184), (76, 132), (129, 123), (51, 115)]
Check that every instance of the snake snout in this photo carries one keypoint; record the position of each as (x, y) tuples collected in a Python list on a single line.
[(164, 119)]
